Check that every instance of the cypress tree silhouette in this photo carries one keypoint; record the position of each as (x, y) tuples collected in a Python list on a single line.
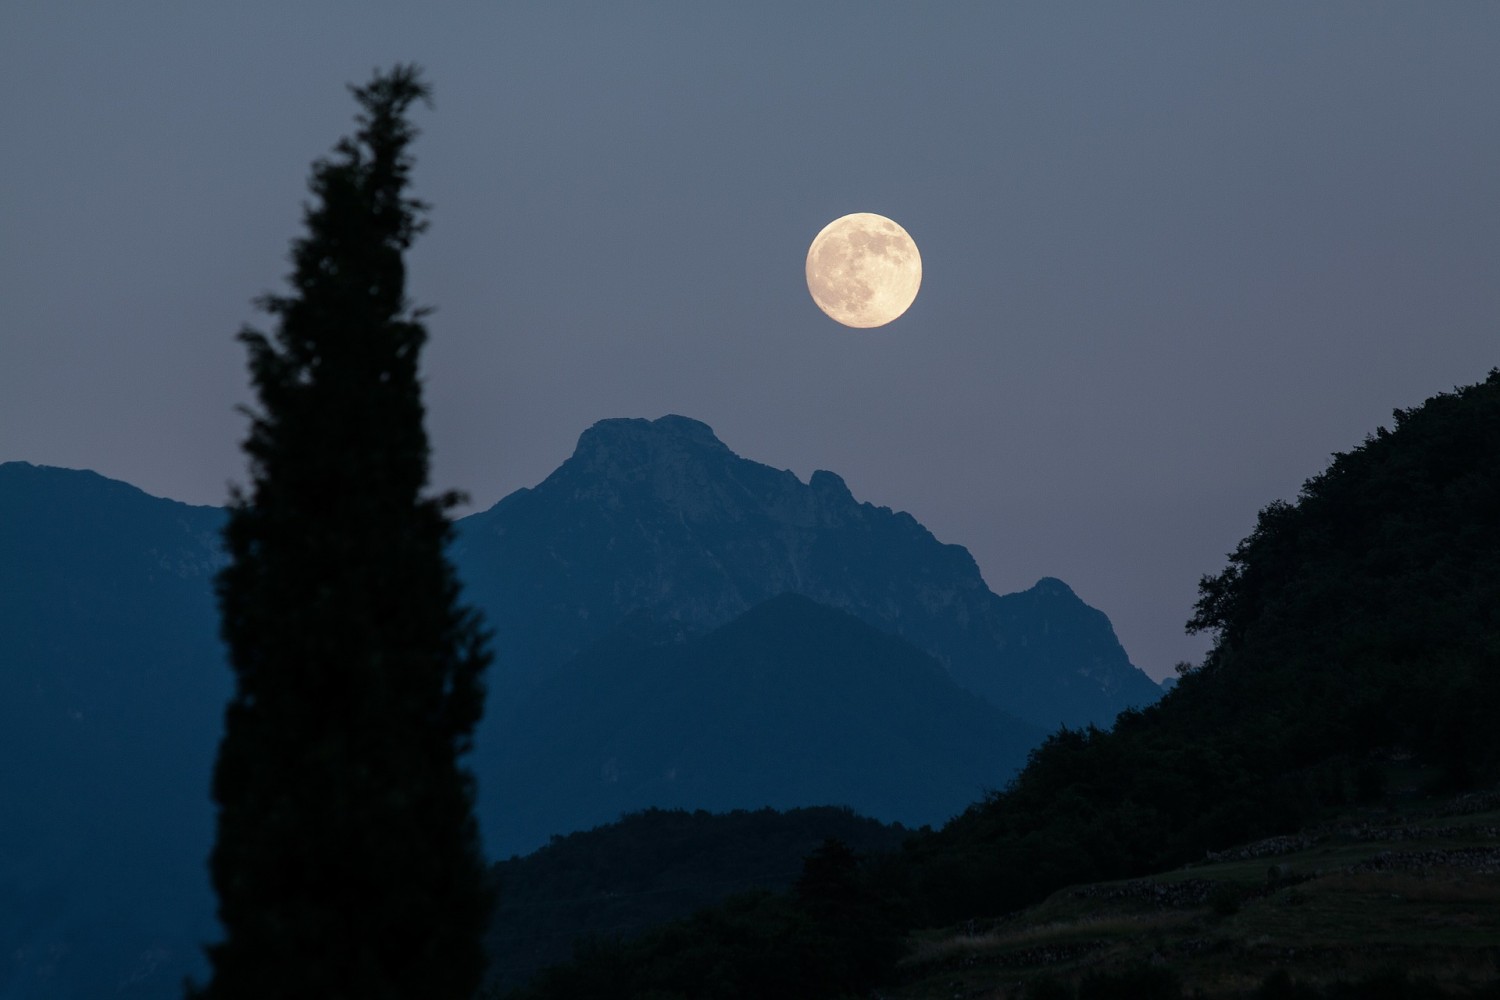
[(347, 859)]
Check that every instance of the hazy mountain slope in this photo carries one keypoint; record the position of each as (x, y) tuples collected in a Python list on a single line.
[(660, 515), (112, 686), (791, 704)]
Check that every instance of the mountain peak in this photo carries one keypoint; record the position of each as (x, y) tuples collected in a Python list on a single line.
[(671, 452), (1051, 586), (679, 426), (830, 484), (621, 433)]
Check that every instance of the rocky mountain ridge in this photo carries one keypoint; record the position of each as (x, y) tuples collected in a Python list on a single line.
[(661, 515)]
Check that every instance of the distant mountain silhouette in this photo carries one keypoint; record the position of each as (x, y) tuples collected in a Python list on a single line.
[(661, 516), (112, 691), (790, 704)]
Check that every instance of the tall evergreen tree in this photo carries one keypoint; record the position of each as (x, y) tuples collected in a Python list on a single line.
[(347, 861)]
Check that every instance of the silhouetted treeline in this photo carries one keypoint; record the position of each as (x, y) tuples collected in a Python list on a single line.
[(831, 935), (614, 882)]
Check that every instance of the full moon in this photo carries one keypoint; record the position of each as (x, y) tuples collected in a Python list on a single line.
[(863, 270)]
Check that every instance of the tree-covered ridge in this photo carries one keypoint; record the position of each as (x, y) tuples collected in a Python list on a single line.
[(1377, 589), (831, 935), (617, 881)]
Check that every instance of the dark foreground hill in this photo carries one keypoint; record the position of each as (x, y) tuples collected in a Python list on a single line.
[(661, 516), (789, 704)]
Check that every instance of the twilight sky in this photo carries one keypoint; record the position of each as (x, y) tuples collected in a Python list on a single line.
[(1175, 254)]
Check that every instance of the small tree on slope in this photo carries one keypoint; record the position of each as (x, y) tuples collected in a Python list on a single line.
[(347, 859)]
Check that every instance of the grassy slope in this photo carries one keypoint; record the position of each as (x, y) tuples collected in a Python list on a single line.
[(1417, 890)]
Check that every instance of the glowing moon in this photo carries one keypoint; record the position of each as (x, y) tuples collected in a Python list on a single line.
[(863, 270)]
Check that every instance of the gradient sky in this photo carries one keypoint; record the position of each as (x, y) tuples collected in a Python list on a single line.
[(1175, 254)]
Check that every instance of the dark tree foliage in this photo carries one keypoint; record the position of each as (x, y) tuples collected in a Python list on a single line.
[(617, 882), (347, 861), (1378, 593), (830, 937)]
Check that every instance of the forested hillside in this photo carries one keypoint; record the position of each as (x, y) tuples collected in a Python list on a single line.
[(616, 881)]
